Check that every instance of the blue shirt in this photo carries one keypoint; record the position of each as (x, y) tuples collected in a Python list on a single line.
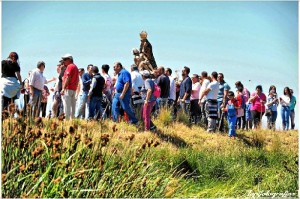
[(86, 82), (123, 77), (186, 87), (148, 84), (293, 102), (222, 87)]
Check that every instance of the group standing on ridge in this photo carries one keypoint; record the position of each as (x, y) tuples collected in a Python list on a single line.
[(141, 93)]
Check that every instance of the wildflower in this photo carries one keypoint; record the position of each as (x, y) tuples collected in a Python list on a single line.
[(5, 114), (71, 130), (57, 180), (11, 108), (54, 126), (114, 150), (144, 146), (3, 177), (62, 134), (104, 139), (131, 137), (56, 156), (38, 134), (156, 144), (77, 137), (61, 117), (38, 121), (22, 168), (144, 181), (114, 128)]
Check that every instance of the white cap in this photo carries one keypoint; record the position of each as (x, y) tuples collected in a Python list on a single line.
[(145, 73), (68, 55)]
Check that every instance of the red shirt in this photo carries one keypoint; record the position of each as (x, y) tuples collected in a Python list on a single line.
[(71, 71)]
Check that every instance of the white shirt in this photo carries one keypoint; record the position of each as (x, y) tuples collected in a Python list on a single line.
[(285, 100), (172, 94), (202, 89), (37, 80), (137, 81), (214, 90)]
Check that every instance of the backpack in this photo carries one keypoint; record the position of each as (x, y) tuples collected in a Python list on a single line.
[(156, 91), (231, 110)]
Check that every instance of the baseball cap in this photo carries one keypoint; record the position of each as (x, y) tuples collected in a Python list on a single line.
[(67, 56), (40, 63), (145, 73)]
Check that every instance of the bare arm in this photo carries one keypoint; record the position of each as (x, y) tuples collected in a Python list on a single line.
[(126, 86)]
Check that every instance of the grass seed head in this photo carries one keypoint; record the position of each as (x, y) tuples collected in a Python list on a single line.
[(71, 130)]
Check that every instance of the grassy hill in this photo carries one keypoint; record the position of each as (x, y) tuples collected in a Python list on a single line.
[(53, 158)]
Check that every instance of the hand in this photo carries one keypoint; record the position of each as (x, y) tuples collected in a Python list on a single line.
[(54, 79), (88, 98), (62, 92), (146, 103), (122, 96)]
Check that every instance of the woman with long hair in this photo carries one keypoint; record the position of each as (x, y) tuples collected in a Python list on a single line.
[(285, 107)]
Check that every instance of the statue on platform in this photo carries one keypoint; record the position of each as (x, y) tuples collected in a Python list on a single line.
[(146, 50), (141, 61)]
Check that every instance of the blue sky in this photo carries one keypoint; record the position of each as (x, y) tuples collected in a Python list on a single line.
[(255, 41)]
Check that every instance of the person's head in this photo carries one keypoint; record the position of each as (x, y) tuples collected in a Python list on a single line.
[(214, 75), (89, 69), (105, 68), (272, 93), (67, 59), (291, 91), (135, 51), (230, 95), (239, 86), (259, 89), (195, 78), (41, 66), (117, 67), (95, 69), (168, 72), (58, 67), (145, 74), (204, 74), (161, 70), (220, 77), (134, 67), (81, 71), (13, 56), (143, 35), (185, 71), (287, 91), (272, 87), (155, 73)]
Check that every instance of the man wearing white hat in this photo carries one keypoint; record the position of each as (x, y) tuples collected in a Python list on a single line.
[(70, 83)]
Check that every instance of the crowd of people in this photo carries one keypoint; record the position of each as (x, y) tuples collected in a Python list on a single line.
[(137, 95)]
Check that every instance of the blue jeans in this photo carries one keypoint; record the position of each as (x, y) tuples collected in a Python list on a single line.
[(231, 125), (95, 108), (80, 112), (285, 115), (125, 103)]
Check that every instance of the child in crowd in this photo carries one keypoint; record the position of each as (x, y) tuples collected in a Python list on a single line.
[(231, 109)]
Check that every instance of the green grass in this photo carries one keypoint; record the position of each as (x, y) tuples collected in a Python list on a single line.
[(77, 158)]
